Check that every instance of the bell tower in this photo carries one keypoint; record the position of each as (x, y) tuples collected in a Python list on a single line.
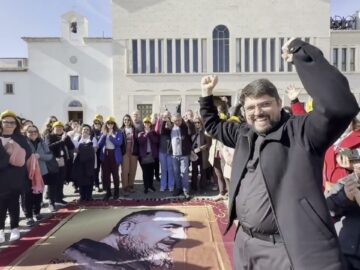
[(74, 27)]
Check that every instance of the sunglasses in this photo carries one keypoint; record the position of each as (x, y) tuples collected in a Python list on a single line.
[(9, 122)]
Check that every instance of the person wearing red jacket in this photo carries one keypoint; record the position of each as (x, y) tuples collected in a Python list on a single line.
[(336, 164), (297, 107)]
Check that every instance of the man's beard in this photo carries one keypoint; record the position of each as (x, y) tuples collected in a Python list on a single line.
[(156, 256), (264, 130)]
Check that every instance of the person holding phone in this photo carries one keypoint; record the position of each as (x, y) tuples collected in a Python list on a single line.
[(342, 155), (345, 203)]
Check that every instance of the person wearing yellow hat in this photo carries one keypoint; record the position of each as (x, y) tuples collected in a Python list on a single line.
[(99, 117), (14, 176), (148, 151), (111, 156), (58, 124), (130, 155), (48, 126), (61, 145), (7, 113)]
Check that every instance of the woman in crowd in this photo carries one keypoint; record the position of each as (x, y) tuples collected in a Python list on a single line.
[(83, 170), (60, 145), (14, 176), (200, 146), (42, 153), (130, 159), (96, 133), (217, 162), (111, 157), (155, 119), (148, 151), (48, 126), (165, 154)]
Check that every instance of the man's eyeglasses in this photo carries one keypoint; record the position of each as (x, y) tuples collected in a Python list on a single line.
[(9, 122), (262, 106)]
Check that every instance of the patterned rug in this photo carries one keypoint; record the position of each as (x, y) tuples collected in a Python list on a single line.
[(127, 234)]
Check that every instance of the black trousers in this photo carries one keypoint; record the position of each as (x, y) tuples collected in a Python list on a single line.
[(255, 254), (157, 168), (148, 175), (55, 184), (97, 174), (195, 184), (10, 202), (32, 204), (86, 192)]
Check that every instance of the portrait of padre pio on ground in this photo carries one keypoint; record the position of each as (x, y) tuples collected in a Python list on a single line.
[(141, 240)]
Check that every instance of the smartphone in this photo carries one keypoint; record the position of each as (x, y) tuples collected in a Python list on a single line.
[(351, 154)]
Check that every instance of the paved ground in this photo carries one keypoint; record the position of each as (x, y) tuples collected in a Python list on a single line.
[(139, 194)]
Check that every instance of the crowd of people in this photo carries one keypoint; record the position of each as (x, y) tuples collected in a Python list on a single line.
[(285, 148), (104, 156)]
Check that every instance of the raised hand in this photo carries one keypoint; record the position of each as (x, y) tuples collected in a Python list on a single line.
[(292, 92), (208, 84), (286, 55), (344, 161), (352, 189)]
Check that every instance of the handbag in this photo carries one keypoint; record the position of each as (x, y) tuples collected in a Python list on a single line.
[(147, 159), (193, 156), (52, 165), (60, 161)]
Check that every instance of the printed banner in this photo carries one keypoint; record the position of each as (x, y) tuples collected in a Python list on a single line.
[(132, 237)]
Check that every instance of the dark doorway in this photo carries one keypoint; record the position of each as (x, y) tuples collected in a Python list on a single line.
[(145, 110), (75, 115)]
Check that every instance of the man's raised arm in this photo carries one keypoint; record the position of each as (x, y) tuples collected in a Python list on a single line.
[(221, 130), (335, 105)]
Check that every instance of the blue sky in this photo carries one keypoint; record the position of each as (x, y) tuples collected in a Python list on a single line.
[(41, 18)]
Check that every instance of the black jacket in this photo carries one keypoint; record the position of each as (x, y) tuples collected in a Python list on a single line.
[(291, 160), (15, 179), (4, 159), (83, 169), (59, 147)]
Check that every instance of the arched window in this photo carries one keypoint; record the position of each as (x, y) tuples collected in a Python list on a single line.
[(75, 104), (221, 49)]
